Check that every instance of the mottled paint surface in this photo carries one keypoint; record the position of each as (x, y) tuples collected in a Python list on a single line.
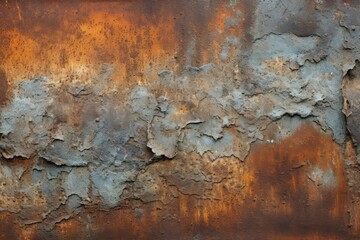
[(179, 119)]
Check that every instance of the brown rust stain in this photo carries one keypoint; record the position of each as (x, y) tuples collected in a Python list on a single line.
[(301, 182), (7, 228), (353, 178), (3, 87), (290, 189)]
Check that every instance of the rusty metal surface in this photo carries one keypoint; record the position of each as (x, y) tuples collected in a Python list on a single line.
[(179, 119)]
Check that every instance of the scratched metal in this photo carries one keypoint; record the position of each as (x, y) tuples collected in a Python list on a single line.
[(181, 119)]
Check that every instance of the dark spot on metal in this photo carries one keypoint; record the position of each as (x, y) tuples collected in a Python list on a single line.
[(351, 102), (3, 87)]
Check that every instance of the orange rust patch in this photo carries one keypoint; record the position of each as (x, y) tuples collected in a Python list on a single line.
[(63, 38), (279, 66)]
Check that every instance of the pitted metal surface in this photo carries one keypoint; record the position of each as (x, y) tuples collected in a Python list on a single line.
[(179, 119)]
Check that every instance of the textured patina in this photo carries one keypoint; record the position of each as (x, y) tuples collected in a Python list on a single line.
[(208, 119)]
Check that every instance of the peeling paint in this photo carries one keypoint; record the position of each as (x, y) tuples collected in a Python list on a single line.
[(182, 120)]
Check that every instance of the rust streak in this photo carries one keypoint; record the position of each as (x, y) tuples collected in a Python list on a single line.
[(18, 10)]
